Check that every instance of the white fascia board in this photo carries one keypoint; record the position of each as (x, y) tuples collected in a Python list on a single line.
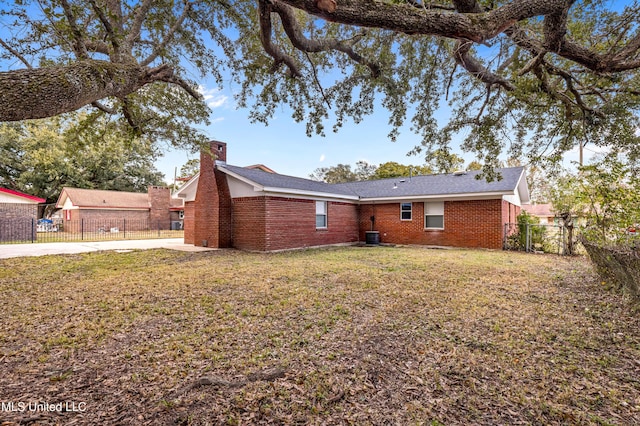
[(313, 194), (62, 200), (268, 190), (523, 189), (256, 187), (439, 197), (188, 191)]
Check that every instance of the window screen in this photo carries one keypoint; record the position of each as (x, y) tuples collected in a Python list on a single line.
[(405, 211), (321, 214), (434, 215)]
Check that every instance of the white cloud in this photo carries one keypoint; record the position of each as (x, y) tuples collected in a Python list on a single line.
[(213, 97), (322, 157)]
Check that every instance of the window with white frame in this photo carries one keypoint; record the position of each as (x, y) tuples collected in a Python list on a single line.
[(434, 215), (405, 211), (321, 214)]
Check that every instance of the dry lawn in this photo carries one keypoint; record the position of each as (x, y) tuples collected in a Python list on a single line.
[(335, 336)]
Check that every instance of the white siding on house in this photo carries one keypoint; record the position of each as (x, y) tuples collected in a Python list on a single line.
[(513, 199), (8, 198), (68, 205), (241, 189)]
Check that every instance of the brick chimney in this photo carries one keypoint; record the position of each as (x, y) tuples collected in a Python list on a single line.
[(159, 203), (212, 205), (219, 149)]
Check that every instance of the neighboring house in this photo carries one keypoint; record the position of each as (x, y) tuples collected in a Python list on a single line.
[(543, 212), (249, 209), (88, 210), (18, 215)]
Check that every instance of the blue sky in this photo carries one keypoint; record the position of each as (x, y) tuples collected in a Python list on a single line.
[(284, 146)]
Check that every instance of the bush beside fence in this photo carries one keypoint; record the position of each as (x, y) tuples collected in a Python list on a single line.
[(533, 237), (618, 267)]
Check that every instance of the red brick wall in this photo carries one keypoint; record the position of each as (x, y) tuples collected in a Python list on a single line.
[(212, 206), (476, 223), (94, 220), (159, 203), (189, 225), (249, 229), (510, 212), (18, 221), (277, 223), (225, 220)]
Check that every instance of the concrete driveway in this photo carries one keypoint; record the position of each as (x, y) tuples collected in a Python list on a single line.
[(43, 249)]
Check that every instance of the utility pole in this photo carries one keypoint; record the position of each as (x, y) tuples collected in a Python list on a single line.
[(581, 148)]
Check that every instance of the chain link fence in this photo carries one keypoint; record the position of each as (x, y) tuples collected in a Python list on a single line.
[(539, 238), (27, 230)]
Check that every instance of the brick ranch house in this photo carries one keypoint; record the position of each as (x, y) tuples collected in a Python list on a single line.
[(18, 215), (251, 209), (90, 210)]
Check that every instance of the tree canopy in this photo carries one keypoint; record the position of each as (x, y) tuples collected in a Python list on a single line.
[(440, 162), (605, 194), (530, 77), (42, 156)]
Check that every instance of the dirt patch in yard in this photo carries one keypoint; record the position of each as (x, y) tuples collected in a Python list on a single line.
[(368, 335)]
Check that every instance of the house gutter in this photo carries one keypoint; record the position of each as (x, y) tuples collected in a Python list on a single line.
[(440, 197), (288, 191)]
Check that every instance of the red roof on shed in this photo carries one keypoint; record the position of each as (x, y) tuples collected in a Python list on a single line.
[(23, 195)]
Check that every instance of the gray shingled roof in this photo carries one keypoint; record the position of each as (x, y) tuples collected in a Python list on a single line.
[(433, 185), (274, 180), (428, 185)]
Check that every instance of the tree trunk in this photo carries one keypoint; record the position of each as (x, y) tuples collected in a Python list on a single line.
[(45, 92)]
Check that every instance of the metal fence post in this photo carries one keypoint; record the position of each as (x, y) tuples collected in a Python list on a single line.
[(82, 229), (124, 227), (32, 230)]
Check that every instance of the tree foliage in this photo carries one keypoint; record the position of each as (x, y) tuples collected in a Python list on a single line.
[(604, 193), (530, 77), (190, 168), (391, 169), (474, 165), (42, 156), (343, 173), (443, 161), (365, 171)]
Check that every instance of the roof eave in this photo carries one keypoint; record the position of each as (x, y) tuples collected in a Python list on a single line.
[(256, 186), (289, 191), (522, 187), (18, 194), (61, 198), (467, 195), (183, 191)]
